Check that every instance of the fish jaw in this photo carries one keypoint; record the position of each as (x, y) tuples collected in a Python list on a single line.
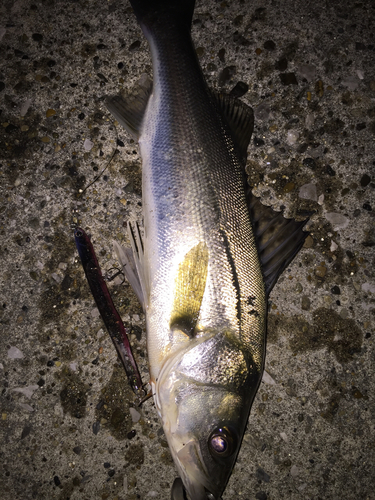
[(203, 395)]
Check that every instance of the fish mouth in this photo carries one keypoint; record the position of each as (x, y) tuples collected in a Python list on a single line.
[(195, 478), (179, 492)]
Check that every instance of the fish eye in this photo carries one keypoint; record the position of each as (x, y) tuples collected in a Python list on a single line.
[(221, 443)]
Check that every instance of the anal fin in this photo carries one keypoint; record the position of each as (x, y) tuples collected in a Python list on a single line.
[(132, 262)]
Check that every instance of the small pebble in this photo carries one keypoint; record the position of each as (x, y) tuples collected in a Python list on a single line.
[(307, 71), (24, 109), (333, 246), (15, 353), (261, 495), (262, 475), (289, 187), (330, 171), (288, 78), (135, 415), (309, 242), (258, 141), (338, 221), (131, 434), (262, 112), (27, 407), (269, 45), (281, 64), (368, 287), (292, 137), (351, 82), (294, 471), (320, 271), (344, 313), (239, 89), (308, 192), (88, 145), (309, 162), (26, 431), (309, 121), (267, 379), (365, 180), (305, 303)]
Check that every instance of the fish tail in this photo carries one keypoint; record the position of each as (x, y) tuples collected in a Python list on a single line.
[(167, 13)]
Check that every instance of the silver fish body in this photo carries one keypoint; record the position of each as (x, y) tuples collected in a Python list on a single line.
[(198, 267)]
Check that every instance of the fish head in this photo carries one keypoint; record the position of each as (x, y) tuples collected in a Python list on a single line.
[(204, 395)]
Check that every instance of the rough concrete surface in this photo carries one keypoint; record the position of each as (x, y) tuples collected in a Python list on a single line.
[(69, 424)]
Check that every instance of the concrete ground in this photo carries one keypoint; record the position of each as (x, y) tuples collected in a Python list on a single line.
[(69, 424)]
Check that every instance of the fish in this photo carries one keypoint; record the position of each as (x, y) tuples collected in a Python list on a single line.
[(209, 255)]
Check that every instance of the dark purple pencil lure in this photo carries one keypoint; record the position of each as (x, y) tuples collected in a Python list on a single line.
[(108, 312)]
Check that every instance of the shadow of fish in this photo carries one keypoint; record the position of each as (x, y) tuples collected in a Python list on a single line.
[(210, 254)]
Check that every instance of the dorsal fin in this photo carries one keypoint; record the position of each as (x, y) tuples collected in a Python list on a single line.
[(129, 111), (190, 283), (278, 239), (240, 119)]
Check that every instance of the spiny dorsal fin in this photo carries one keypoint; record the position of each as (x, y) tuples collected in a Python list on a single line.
[(129, 112), (190, 284), (240, 118), (278, 239)]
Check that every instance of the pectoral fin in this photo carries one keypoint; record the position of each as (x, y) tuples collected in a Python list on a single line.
[(129, 112), (190, 284)]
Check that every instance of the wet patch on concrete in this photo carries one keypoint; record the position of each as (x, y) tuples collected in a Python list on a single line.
[(112, 410), (73, 395), (133, 173), (329, 330), (135, 455), (65, 282)]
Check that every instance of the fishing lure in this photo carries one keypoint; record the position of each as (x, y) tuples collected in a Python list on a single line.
[(108, 312)]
